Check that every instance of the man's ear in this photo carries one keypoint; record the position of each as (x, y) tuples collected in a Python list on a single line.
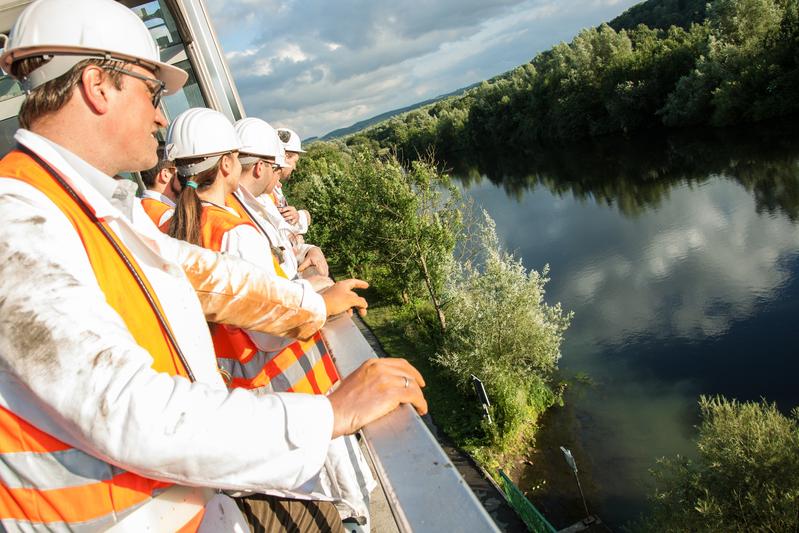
[(226, 164), (258, 170), (164, 176), (95, 85)]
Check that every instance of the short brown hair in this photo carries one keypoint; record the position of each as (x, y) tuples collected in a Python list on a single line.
[(53, 95), (148, 176)]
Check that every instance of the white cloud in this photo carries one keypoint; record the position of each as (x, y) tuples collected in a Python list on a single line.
[(689, 269)]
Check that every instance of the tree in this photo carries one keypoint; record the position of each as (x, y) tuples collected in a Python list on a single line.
[(745, 478), (391, 225), (501, 330)]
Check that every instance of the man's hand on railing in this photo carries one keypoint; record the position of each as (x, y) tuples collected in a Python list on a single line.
[(341, 297), (378, 387)]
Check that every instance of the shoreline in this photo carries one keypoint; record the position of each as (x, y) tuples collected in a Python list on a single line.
[(475, 474)]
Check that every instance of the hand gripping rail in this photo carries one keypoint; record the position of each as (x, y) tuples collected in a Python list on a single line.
[(423, 487)]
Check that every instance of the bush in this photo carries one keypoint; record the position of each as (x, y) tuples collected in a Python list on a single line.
[(500, 329), (378, 220), (746, 477), (400, 228)]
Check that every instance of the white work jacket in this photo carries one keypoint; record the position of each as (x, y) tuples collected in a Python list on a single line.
[(266, 212), (301, 226), (69, 366)]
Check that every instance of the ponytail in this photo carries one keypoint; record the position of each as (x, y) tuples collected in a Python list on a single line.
[(187, 220)]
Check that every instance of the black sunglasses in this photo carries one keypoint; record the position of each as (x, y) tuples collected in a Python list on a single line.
[(156, 92)]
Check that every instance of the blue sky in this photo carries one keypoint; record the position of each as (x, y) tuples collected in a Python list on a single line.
[(318, 65)]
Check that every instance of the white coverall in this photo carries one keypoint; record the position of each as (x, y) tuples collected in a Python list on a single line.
[(263, 207), (54, 322)]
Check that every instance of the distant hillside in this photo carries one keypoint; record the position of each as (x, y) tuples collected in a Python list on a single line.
[(662, 63), (363, 124), (661, 14), (657, 14)]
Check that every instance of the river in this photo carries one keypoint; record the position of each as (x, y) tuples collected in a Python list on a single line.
[(679, 256)]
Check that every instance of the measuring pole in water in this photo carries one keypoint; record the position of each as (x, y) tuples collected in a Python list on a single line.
[(567, 454), (482, 395)]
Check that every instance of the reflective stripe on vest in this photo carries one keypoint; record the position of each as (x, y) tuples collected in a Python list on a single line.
[(157, 212), (46, 484), (299, 367), (302, 366)]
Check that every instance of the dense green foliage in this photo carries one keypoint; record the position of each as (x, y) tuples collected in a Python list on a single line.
[(740, 65), (745, 478), (374, 219), (402, 228), (661, 14), (501, 329)]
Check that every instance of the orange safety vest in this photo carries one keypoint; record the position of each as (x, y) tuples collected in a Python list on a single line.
[(302, 366), (81, 491), (156, 210)]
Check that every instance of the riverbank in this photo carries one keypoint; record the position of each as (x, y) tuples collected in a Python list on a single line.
[(453, 413), (482, 485)]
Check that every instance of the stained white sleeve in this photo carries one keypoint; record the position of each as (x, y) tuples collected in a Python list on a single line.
[(302, 222), (233, 291), (69, 366)]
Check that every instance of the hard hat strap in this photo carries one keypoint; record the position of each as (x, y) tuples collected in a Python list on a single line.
[(57, 66), (61, 62), (194, 169)]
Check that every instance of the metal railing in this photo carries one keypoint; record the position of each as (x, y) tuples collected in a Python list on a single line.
[(424, 489)]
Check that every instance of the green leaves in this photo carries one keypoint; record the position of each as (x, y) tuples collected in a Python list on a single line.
[(407, 231), (394, 226), (739, 64), (500, 329), (746, 476)]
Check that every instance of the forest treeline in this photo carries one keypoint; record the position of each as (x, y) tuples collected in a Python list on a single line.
[(662, 14), (739, 65), (638, 174)]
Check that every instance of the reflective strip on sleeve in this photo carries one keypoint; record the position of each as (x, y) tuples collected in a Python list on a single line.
[(56, 470), (76, 504)]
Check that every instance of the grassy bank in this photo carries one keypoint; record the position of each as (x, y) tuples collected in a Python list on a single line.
[(454, 412)]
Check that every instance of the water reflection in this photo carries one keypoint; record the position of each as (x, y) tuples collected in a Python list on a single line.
[(634, 175), (679, 257)]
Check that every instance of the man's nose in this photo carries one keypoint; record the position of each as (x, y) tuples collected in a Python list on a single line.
[(160, 118)]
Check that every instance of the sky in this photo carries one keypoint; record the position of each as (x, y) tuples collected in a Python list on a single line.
[(319, 65)]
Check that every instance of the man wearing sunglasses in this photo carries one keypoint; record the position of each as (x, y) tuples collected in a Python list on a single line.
[(259, 176), (112, 411)]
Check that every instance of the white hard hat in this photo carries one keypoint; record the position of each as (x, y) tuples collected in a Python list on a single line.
[(290, 139), (200, 133), (258, 138), (280, 159), (71, 31)]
